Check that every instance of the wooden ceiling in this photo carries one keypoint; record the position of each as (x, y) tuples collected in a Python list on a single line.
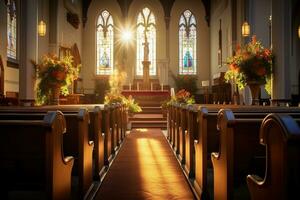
[(124, 4)]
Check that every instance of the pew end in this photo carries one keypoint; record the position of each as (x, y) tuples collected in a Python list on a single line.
[(281, 135)]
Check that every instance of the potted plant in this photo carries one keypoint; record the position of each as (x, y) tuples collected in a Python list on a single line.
[(54, 77), (252, 66)]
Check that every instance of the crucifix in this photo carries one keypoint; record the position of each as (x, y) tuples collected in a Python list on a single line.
[(146, 63)]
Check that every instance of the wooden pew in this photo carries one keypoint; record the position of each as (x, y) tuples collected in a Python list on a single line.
[(239, 148), (182, 132), (76, 142), (177, 126), (113, 129), (190, 134), (108, 134), (281, 136), (207, 139), (97, 130), (34, 159), (170, 123)]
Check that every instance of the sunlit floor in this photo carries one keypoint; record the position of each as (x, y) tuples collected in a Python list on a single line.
[(145, 168)]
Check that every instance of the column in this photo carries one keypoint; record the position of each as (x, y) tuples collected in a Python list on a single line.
[(28, 48), (281, 48)]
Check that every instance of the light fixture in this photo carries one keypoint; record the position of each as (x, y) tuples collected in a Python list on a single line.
[(245, 29), (42, 28), (42, 25), (299, 31)]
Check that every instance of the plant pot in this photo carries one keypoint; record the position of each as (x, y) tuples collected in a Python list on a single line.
[(55, 92), (254, 88)]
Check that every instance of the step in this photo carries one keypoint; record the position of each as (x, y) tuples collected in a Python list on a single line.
[(147, 117), (148, 125), (150, 110)]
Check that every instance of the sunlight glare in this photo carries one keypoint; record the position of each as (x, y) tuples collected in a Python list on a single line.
[(126, 36)]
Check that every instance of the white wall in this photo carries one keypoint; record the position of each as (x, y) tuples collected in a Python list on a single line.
[(221, 9), (203, 38), (68, 35)]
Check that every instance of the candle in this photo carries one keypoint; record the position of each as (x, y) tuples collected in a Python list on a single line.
[(172, 92), (130, 86), (162, 87), (138, 86), (151, 86)]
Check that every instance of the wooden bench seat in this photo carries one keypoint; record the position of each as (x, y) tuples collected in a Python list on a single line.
[(280, 134), (34, 159), (97, 129), (76, 142), (239, 146), (207, 138)]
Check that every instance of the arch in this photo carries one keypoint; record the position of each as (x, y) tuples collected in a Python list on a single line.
[(157, 9), (187, 43), (203, 38), (146, 41), (89, 44), (105, 43)]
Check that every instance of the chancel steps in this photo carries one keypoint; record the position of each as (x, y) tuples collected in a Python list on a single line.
[(150, 117)]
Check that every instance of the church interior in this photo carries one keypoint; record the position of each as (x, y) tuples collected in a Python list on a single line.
[(149, 99)]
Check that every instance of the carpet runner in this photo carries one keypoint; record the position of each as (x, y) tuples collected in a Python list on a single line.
[(145, 168)]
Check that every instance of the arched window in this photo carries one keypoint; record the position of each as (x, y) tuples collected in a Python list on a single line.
[(187, 43), (146, 31), (105, 44), (11, 30)]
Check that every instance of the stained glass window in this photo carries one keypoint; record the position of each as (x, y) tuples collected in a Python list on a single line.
[(11, 29), (146, 29), (187, 44), (105, 44)]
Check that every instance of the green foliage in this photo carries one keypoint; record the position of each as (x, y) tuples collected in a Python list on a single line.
[(187, 82)]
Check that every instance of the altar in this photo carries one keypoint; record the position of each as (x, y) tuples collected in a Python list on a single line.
[(148, 98)]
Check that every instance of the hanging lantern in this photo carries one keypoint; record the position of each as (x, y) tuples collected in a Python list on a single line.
[(42, 28), (245, 29)]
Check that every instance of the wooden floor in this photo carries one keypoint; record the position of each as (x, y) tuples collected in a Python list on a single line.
[(145, 168)]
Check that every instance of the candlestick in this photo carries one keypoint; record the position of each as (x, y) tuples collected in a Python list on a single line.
[(130, 86), (137, 86), (162, 87), (151, 86)]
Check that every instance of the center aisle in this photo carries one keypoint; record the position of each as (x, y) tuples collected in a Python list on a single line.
[(145, 168)]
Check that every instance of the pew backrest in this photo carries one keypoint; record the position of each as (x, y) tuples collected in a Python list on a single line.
[(280, 134)]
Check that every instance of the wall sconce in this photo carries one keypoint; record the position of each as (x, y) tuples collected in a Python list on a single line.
[(42, 25), (42, 28), (299, 31), (245, 29)]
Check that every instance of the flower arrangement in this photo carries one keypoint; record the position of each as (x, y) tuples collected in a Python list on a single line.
[(111, 98), (54, 72), (182, 96), (114, 95), (252, 63)]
